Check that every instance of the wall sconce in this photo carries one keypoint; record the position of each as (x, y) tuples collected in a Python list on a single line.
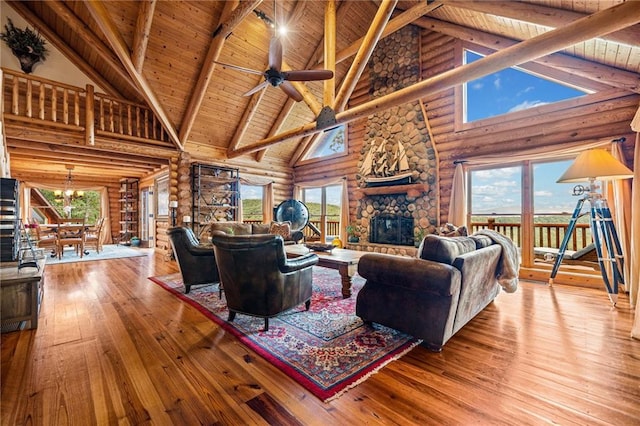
[(173, 205)]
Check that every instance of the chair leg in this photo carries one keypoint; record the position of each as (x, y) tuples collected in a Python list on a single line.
[(232, 316), (187, 288), (266, 324), (307, 305)]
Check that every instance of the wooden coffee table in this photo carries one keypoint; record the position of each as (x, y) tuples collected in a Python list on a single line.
[(344, 261)]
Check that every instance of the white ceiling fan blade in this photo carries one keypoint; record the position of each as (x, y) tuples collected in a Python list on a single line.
[(307, 75), (238, 68), (275, 54), (291, 91), (257, 88)]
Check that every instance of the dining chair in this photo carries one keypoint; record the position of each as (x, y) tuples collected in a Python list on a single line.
[(46, 240), (71, 233), (93, 235)]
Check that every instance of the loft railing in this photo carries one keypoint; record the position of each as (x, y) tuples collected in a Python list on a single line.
[(37, 100)]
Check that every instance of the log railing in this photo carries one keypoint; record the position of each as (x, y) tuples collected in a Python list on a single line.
[(41, 101)]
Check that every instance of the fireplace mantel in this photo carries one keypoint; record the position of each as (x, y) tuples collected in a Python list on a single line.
[(413, 190)]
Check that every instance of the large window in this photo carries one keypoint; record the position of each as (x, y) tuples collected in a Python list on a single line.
[(251, 196), (324, 206), (496, 199), (509, 90)]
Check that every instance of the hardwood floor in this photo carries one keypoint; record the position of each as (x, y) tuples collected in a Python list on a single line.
[(112, 347)]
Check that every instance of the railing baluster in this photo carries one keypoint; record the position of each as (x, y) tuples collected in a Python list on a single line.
[(54, 104), (76, 106), (15, 105), (65, 106), (41, 103), (29, 98)]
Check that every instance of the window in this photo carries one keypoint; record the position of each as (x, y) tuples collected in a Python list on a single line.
[(330, 142), (496, 200), (324, 206), (251, 196), (509, 90)]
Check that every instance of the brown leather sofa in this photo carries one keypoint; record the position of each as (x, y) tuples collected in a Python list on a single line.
[(196, 261), (434, 295), (241, 228), (258, 278)]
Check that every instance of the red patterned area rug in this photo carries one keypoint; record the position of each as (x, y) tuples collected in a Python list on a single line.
[(327, 349)]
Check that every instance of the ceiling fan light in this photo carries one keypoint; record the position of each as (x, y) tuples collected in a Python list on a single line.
[(57, 193), (282, 30), (68, 192), (80, 193)]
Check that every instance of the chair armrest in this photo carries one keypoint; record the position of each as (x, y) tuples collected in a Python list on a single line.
[(201, 250), (409, 272), (297, 263)]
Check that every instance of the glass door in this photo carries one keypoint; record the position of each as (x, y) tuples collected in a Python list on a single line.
[(147, 226)]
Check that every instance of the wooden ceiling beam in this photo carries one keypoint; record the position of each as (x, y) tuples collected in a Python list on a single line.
[(247, 116), (232, 15), (329, 87), (402, 20), (599, 73), (542, 15), (364, 53), (63, 47), (97, 45), (146, 10), (611, 19), (80, 161), (109, 29)]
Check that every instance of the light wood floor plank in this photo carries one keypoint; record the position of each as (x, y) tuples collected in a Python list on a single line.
[(114, 348)]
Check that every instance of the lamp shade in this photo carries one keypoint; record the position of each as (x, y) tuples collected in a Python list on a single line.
[(595, 164)]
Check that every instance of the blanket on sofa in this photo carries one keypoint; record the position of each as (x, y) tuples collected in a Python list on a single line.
[(508, 265)]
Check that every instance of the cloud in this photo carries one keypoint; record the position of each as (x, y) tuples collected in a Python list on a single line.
[(543, 193), (496, 83), (477, 86), (526, 90), (526, 105), (504, 172)]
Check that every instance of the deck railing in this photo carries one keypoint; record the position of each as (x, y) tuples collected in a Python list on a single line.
[(545, 234), (41, 101)]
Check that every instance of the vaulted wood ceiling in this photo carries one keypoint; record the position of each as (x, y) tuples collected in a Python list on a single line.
[(161, 53)]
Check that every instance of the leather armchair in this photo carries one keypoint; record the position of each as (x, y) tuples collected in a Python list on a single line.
[(258, 278), (196, 261)]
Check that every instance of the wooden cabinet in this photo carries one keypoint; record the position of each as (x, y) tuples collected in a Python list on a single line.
[(9, 220), (215, 194), (21, 292), (129, 190)]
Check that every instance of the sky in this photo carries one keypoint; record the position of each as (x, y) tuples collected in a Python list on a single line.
[(498, 190)]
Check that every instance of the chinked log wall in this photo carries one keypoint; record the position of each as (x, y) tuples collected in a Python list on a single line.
[(598, 116)]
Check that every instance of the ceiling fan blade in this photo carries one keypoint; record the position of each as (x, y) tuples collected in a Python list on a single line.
[(275, 54), (291, 91), (257, 88), (307, 75), (237, 68)]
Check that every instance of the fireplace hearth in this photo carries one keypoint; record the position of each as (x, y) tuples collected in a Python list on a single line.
[(391, 229)]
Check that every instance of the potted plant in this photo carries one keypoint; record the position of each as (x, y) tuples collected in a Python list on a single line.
[(352, 235), (418, 236), (27, 45)]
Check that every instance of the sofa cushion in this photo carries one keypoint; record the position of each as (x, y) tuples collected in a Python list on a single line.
[(281, 228), (231, 228), (445, 249), (261, 228)]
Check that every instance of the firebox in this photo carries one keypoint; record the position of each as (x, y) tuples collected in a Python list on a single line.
[(391, 229)]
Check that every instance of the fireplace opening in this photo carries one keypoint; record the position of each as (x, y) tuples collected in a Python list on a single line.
[(391, 229)]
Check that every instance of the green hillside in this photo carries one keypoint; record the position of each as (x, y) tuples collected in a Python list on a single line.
[(252, 209)]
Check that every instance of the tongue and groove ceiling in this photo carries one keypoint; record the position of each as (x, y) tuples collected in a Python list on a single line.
[(159, 53)]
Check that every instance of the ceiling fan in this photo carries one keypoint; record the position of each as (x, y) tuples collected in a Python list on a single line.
[(278, 78)]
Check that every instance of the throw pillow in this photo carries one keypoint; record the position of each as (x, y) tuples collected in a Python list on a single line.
[(445, 249), (450, 230), (281, 228)]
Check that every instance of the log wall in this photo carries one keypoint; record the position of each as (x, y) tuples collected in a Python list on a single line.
[(603, 115)]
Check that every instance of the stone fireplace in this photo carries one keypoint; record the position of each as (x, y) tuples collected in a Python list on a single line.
[(395, 64)]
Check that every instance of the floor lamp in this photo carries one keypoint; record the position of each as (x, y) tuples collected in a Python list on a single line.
[(596, 165)]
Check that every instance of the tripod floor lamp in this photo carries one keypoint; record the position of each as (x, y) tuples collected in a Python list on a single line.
[(596, 165)]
